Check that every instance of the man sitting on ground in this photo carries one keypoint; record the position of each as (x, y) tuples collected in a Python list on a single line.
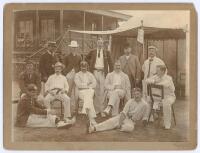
[(134, 110), (118, 87), (86, 83), (31, 114)]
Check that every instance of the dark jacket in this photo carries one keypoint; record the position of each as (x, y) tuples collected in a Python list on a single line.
[(25, 80), (133, 65), (108, 63), (72, 62), (46, 66), (27, 106)]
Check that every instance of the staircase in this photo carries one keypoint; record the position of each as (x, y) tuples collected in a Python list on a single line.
[(86, 44)]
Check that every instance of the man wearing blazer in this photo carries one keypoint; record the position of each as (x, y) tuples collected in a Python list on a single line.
[(130, 65), (47, 61), (100, 63)]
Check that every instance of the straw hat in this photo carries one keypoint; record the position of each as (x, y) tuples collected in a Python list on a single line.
[(73, 44), (59, 64)]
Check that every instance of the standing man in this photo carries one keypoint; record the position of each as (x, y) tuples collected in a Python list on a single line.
[(47, 61), (57, 87), (161, 78), (130, 65), (86, 83), (149, 66), (117, 87), (100, 63), (134, 110), (72, 65)]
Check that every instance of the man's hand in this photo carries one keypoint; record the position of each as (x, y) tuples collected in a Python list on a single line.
[(121, 119)]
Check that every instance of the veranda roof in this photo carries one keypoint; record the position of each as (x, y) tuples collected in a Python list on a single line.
[(156, 25)]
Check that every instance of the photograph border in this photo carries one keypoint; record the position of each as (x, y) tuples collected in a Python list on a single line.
[(8, 20)]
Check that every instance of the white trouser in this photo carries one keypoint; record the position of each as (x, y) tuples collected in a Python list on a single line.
[(114, 100), (87, 96), (65, 101), (112, 123), (167, 112), (70, 79), (99, 91), (144, 88), (41, 121)]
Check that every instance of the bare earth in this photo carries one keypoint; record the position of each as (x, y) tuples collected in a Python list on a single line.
[(151, 133)]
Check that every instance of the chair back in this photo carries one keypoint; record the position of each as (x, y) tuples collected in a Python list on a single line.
[(156, 92), (56, 105)]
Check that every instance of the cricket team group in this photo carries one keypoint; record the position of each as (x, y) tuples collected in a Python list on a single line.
[(95, 86)]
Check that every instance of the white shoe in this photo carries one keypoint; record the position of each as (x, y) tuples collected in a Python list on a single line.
[(63, 124), (73, 120)]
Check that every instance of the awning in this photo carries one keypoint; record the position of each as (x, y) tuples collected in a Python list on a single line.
[(156, 25), (149, 33)]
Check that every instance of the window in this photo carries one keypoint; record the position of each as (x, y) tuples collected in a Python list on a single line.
[(24, 35), (94, 26), (47, 30)]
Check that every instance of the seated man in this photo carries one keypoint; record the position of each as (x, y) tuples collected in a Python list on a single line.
[(134, 110), (30, 76), (161, 78), (117, 86), (31, 114), (85, 82), (57, 87)]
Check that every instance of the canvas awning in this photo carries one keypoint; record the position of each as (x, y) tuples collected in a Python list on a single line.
[(149, 33), (157, 25)]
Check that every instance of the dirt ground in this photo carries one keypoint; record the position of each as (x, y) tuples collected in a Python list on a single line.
[(178, 133)]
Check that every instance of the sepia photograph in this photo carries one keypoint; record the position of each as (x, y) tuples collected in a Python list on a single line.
[(85, 74)]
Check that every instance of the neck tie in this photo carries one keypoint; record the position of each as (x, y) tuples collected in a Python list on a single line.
[(150, 61), (31, 101), (99, 53)]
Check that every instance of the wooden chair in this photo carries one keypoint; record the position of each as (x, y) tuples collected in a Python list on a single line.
[(57, 105), (156, 93)]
